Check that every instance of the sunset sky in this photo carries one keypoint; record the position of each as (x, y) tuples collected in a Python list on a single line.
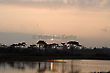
[(89, 20)]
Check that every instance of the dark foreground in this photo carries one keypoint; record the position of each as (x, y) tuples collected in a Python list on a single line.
[(46, 58), (33, 54), (45, 51), (38, 54)]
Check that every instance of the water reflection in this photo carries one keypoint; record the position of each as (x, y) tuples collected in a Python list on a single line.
[(52, 65), (57, 66)]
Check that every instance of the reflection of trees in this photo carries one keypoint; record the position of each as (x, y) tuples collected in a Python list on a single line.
[(63, 68), (2, 65), (44, 67), (17, 65), (40, 68), (73, 68), (31, 65)]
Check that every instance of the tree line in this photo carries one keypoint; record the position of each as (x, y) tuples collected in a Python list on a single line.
[(71, 49)]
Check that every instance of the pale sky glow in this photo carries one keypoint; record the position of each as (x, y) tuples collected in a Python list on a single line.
[(83, 18)]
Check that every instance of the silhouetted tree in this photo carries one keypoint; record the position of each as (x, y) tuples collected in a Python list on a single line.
[(13, 45), (42, 44), (33, 46), (73, 43), (54, 45), (63, 43), (22, 44)]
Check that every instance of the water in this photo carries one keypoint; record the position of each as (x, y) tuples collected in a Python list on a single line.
[(56, 66)]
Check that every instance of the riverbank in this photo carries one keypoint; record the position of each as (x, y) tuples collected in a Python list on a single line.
[(46, 58)]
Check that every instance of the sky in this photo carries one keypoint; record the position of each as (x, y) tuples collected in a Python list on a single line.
[(89, 20)]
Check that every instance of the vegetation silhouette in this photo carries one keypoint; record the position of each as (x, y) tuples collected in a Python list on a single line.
[(43, 51)]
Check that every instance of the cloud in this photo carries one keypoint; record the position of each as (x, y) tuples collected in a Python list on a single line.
[(63, 37), (106, 29), (62, 3)]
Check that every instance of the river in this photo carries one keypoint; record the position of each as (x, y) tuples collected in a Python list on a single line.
[(57, 66)]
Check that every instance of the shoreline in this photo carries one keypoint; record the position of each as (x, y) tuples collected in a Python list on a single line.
[(46, 58)]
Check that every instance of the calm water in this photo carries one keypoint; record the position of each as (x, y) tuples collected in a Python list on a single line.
[(56, 66)]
